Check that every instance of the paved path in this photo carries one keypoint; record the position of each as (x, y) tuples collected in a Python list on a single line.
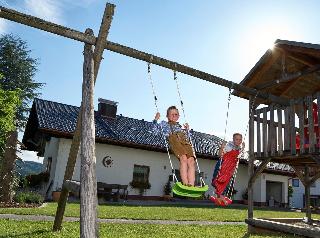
[(127, 221)]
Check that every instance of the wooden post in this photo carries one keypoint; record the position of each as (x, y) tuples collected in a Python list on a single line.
[(310, 124), (280, 139), (265, 132), (301, 126), (307, 194), (272, 134), (99, 48), (258, 133), (251, 160), (292, 128), (287, 128), (88, 181)]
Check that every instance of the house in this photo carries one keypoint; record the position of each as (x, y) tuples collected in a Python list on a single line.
[(127, 149), (298, 197)]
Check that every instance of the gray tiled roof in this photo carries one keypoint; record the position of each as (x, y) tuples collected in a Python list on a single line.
[(62, 118)]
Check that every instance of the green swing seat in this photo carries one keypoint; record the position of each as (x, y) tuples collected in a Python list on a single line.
[(186, 191)]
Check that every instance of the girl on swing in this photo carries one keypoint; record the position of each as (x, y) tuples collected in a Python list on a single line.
[(225, 168), (180, 145)]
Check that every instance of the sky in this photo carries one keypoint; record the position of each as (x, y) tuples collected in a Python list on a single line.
[(222, 38)]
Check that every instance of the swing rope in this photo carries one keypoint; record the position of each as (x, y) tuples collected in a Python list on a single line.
[(185, 120), (161, 129)]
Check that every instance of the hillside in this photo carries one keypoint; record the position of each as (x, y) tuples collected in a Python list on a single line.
[(28, 167)]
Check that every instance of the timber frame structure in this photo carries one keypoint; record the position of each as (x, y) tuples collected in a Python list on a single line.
[(286, 134), (304, 161)]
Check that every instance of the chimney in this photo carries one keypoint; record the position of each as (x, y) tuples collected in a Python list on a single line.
[(107, 108)]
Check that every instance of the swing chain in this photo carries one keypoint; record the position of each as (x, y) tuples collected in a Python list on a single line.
[(228, 107), (174, 177), (185, 119)]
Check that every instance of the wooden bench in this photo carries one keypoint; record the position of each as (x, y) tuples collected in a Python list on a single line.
[(107, 191)]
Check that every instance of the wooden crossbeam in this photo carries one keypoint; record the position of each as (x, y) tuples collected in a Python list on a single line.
[(41, 24), (259, 170), (289, 77)]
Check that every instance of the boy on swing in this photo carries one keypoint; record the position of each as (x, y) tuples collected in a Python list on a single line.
[(228, 162), (179, 143)]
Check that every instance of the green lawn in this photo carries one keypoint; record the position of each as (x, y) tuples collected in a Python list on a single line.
[(26, 229), (10, 228), (201, 213)]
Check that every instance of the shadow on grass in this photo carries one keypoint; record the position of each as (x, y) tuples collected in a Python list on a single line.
[(27, 234)]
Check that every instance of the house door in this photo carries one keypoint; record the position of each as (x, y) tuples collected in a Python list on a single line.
[(274, 193)]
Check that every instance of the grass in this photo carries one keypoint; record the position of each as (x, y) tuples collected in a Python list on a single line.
[(169, 212), (11, 228), (27, 229)]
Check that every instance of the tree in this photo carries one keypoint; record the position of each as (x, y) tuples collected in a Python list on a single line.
[(18, 69), (9, 101)]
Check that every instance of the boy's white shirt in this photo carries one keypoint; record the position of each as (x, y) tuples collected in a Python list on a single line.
[(230, 146)]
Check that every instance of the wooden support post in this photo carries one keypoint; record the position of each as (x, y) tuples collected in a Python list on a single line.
[(265, 133), (272, 134), (251, 159), (280, 139), (292, 128), (310, 124), (88, 185), (287, 128), (259, 170), (99, 48), (38, 23), (307, 195), (258, 134), (301, 126)]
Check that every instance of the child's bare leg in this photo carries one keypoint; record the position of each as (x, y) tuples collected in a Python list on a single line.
[(191, 171), (184, 169)]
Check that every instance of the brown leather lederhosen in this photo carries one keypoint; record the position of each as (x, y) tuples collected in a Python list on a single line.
[(179, 143)]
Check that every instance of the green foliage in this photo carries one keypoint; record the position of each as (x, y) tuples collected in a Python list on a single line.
[(141, 185), (290, 191), (18, 69), (9, 102), (28, 197)]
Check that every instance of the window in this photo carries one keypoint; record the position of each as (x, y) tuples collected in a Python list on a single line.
[(295, 182), (141, 175)]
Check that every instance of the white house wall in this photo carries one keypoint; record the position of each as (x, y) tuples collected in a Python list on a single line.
[(123, 159), (298, 194), (51, 150)]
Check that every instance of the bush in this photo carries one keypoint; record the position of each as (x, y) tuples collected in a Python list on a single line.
[(28, 197)]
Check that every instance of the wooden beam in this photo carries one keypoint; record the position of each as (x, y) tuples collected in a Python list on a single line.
[(38, 23), (88, 180), (99, 48), (251, 158), (300, 175), (259, 170), (289, 77), (72, 186)]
